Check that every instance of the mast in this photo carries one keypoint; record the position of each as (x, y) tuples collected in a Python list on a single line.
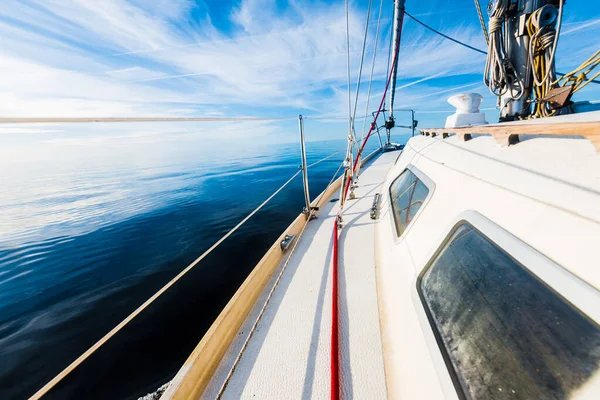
[(397, 30), (522, 41), (398, 19)]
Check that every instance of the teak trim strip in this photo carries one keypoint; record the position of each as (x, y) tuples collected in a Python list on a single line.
[(508, 133), (195, 374)]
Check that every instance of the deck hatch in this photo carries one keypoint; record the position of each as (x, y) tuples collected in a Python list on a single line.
[(408, 194), (502, 331)]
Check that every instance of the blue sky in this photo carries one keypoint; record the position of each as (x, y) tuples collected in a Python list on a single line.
[(237, 58)]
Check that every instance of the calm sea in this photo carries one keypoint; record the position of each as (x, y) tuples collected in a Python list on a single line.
[(83, 243)]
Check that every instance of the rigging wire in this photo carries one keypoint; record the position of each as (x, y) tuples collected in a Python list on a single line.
[(445, 36), (348, 67), (479, 50), (482, 22), (362, 135), (324, 159), (330, 183), (351, 138), (362, 58), (372, 129)]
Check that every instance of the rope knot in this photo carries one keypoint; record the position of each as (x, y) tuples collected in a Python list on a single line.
[(495, 24)]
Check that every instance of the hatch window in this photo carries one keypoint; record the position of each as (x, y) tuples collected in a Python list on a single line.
[(502, 331), (408, 194)]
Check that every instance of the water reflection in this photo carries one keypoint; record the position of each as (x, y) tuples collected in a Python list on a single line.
[(87, 236)]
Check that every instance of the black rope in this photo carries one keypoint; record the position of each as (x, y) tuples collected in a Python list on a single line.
[(447, 37), (466, 45)]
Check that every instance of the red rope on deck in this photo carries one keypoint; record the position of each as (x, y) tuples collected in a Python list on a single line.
[(335, 356), (335, 359)]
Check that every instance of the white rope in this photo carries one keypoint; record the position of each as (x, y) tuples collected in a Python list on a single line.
[(362, 135), (323, 159), (497, 64), (47, 387), (494, 75)]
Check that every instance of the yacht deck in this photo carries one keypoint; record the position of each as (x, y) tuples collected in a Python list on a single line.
[(289, 353)]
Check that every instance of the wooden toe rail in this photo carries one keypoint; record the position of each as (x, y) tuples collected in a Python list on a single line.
[(508, 133)]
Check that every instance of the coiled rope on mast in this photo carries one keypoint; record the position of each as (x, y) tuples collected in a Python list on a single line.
[(499, 74), (542, 50), (569, 76), (543, 37), (543, 28), (496, 71)]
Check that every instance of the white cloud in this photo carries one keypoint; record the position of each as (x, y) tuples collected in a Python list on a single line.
[(138, 58)]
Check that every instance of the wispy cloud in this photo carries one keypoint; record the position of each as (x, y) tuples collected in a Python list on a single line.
[(168, 57)]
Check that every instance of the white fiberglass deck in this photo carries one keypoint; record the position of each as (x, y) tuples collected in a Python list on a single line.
[(289, 354)]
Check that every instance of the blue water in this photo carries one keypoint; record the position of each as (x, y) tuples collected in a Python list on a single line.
[(84, 241)]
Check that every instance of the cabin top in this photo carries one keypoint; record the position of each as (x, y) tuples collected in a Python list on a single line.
[(545, 191), (571, 160), (472, 237)]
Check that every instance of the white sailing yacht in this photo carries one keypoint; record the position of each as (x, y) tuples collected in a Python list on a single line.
[(462, 266), (459, 267)]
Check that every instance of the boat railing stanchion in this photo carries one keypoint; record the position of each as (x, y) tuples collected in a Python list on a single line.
[(307, 209)]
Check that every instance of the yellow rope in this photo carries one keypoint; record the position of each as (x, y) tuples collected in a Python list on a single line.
[(579, 76), (542, 48), (543, 39)]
